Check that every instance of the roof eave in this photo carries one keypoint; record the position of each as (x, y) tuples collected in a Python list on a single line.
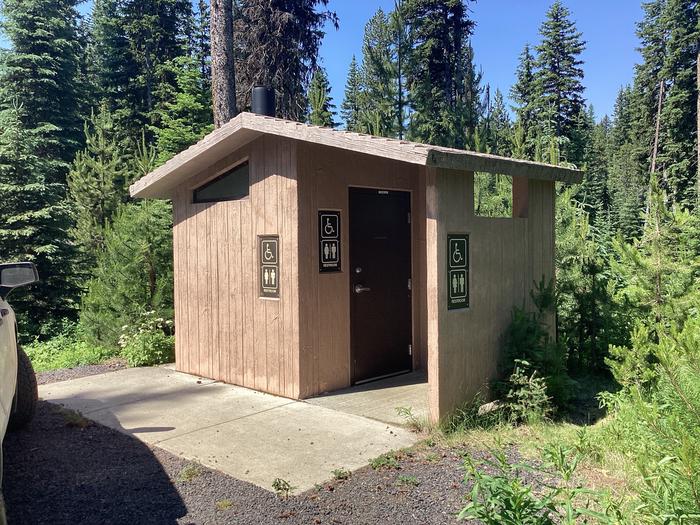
[(479, 162)]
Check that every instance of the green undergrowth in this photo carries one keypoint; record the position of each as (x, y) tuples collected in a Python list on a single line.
[(146, 343), (66, 350)]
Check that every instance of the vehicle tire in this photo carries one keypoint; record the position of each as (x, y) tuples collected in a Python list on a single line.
[(3, 518), (26, 394)]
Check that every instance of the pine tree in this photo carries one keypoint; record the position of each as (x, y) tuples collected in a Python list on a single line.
[(132, 40), (594, 191), (472, 90), (321, 104), (35, 219), (184, 113), (133, 273), (277, 45), (379, 84), (524, 94), (98, 182), (439, 93), (500, 141), (677, 153), (559, 75), (201, 45), (41, 72), (350, 108), (662, 267)]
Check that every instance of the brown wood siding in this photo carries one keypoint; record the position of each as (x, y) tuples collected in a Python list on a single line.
[(325, 175), (506, 256), (223, 329)]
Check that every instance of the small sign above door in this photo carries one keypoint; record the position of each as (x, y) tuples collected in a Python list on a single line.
[(269, 266), (457, 271), (329, 241)]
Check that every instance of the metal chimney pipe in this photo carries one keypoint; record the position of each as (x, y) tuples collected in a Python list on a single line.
[(263, 101)]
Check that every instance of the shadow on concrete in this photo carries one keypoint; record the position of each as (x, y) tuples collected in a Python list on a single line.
[(64, 469), (410, 378)]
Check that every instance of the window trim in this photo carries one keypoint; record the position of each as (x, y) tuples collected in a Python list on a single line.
[(216, 177)]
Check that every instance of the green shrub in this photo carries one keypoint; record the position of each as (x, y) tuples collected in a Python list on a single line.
[(149, 341), (527, 340), (527, 400), (501, 494), (656, 416), (67, 349), (149, 348), (134, 273)]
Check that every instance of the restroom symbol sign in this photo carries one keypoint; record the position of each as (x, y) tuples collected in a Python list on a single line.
[(328, 241), (269, 266), (329, 251), (457, 271)]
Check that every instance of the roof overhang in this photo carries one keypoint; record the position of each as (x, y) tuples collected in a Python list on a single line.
[(246, 127)]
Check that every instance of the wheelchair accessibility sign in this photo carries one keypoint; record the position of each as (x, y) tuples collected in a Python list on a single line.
[(457, 271)]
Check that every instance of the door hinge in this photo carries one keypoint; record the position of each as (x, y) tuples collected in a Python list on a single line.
[(409, 217), (409, 284), (410, 349)]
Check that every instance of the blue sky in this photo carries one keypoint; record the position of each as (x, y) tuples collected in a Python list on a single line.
[(503, 27)]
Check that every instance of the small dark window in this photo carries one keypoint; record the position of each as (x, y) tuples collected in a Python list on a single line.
[(229, 186)]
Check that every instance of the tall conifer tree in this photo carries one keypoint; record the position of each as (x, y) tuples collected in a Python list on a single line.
[(42, 72), (559, 74), (35, 219), (321, 104), (277, 45), (351, 106), (132, 40), (524, 94), (440, 98)]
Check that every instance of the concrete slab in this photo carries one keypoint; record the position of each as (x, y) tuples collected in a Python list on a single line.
[(297, 442), (250, 435), (380, 399)]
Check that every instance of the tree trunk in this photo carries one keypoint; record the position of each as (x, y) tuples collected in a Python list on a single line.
[(223, 79)]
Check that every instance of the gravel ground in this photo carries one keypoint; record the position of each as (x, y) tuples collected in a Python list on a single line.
[(64, 469), (64, 374)]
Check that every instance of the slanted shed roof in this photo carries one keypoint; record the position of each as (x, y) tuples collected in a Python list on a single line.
[(247, 126)]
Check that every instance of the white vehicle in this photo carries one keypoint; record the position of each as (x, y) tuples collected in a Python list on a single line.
[(18, 391)]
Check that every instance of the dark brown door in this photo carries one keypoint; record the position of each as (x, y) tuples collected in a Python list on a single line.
[(380, 273)]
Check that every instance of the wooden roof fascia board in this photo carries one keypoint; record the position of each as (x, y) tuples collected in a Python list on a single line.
[(247, 126), (469, 161), (161, 181)]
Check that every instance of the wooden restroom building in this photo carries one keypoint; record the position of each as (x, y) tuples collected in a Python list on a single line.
[(309, 259)]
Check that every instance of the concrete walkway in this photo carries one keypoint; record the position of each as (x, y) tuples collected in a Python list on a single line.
[(250, 435), (381, 400)]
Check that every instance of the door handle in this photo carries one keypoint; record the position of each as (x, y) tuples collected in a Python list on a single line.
[(361, 289)]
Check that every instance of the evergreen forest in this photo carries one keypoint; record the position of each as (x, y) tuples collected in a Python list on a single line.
[(90, 103)]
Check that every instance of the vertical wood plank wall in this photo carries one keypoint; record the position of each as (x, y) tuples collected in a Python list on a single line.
[(325, 175), (224, 330), (506, 256)]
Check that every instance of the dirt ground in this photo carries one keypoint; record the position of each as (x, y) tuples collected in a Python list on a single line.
[(66, 469)]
